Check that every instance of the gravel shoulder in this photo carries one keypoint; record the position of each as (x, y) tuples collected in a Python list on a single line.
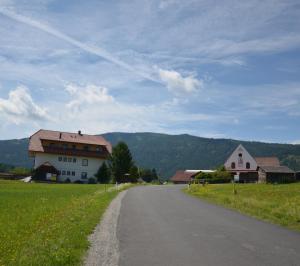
[(104, 249)]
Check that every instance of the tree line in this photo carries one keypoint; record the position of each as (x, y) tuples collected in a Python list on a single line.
[(121, 168)]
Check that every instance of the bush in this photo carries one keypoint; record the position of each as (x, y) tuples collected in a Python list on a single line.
[(78, 182), (67, 181), (217, 177), (92, 180)]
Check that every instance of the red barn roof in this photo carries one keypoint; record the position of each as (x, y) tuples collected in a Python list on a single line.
[(267, 161), (182, 176)]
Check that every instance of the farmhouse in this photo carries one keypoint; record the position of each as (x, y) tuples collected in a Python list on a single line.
[(61, 156), (261, 169), (186, 176)]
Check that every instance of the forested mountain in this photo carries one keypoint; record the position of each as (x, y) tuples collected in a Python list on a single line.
[(168, 153)]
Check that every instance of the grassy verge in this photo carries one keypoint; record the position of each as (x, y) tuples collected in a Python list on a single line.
[(278, 204), (43, 224)]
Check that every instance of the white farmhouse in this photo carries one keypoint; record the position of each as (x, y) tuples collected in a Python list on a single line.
[(59, 156), (241, 163)]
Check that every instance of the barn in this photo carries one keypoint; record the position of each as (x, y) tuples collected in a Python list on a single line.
[(275, 174)]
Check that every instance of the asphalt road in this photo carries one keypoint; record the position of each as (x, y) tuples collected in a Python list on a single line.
[(160, 225)]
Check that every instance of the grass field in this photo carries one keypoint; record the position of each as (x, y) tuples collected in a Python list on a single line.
[(278, 204), (48, 224)]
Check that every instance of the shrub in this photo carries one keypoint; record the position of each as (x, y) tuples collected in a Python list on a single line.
[(67, 181), (217, 177), (78, 182), (92, 180)]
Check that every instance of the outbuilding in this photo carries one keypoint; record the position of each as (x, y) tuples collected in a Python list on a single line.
[(273, 174)]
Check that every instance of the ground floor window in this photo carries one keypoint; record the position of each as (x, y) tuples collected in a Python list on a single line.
[(73, 173)]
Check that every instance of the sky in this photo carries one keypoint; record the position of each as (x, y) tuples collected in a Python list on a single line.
[(217, 69)]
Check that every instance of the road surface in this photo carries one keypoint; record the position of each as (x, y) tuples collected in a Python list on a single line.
[(160, 225)]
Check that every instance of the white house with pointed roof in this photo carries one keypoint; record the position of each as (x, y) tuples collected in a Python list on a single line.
[(241, 161)]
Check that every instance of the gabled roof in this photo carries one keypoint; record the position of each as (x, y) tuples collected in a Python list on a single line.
[(182, 176), (277, 169), (35, 141), (267, 161)]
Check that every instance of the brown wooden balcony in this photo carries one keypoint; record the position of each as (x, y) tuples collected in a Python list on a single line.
[(76, 152)]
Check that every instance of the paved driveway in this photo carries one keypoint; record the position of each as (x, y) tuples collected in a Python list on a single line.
[(160, 225)]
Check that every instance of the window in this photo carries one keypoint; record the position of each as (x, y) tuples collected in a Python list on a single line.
[(248, 165), (84, 175), (85, 162), (74, 160), (60, 159), (240, 155), (74, 147), (63, 172), (69, 159), (65, 159), (65, 146), (86, 148), (73, 173), (68, 172), (99, 148), (233, 165), (59, 172)]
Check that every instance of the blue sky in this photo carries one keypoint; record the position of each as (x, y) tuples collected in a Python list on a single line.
[(221, 69)]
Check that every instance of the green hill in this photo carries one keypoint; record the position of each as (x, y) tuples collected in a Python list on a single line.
[(168, 153)]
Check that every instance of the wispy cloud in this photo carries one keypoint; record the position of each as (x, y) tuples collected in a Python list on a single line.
[(86, 47)]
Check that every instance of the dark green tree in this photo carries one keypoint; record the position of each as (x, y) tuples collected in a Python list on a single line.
[(154, 175), (134, 174), (121, 162), (103, 175), (146, 175)]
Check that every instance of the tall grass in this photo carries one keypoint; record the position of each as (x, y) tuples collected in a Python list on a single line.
[(278, 204), (44, 224)]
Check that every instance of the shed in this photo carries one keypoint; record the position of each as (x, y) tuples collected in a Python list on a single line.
[(182, 177), (271, 174)]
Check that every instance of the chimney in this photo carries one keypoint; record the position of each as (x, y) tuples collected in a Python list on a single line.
[(79, 133), (60, 135)]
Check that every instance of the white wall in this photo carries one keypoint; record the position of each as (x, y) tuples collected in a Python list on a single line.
[(91, 169), (246, 157)]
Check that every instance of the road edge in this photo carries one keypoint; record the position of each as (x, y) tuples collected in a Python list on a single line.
[(104, 248)]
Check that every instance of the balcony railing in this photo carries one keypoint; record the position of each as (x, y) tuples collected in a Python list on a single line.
[(76, 152)]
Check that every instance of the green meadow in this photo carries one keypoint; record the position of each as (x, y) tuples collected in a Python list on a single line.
[(279, 204), (48, 224)]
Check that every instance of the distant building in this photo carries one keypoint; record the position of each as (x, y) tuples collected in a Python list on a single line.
[(59, 156), (241, 163), (250, 169), (186, 176), (272, 174)]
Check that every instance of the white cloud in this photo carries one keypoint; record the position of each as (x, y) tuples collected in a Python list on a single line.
[(89, 94), (20, 107), (175, 82)]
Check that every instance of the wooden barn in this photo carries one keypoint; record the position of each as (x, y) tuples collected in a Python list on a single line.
[(275, 174)]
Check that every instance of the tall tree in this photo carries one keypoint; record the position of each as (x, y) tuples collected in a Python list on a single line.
[(103, 175), (133, 174), (154, 175), (121, 162)]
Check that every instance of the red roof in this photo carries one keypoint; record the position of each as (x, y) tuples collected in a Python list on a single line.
[(35, 143), (182, 176), (267, 161)]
